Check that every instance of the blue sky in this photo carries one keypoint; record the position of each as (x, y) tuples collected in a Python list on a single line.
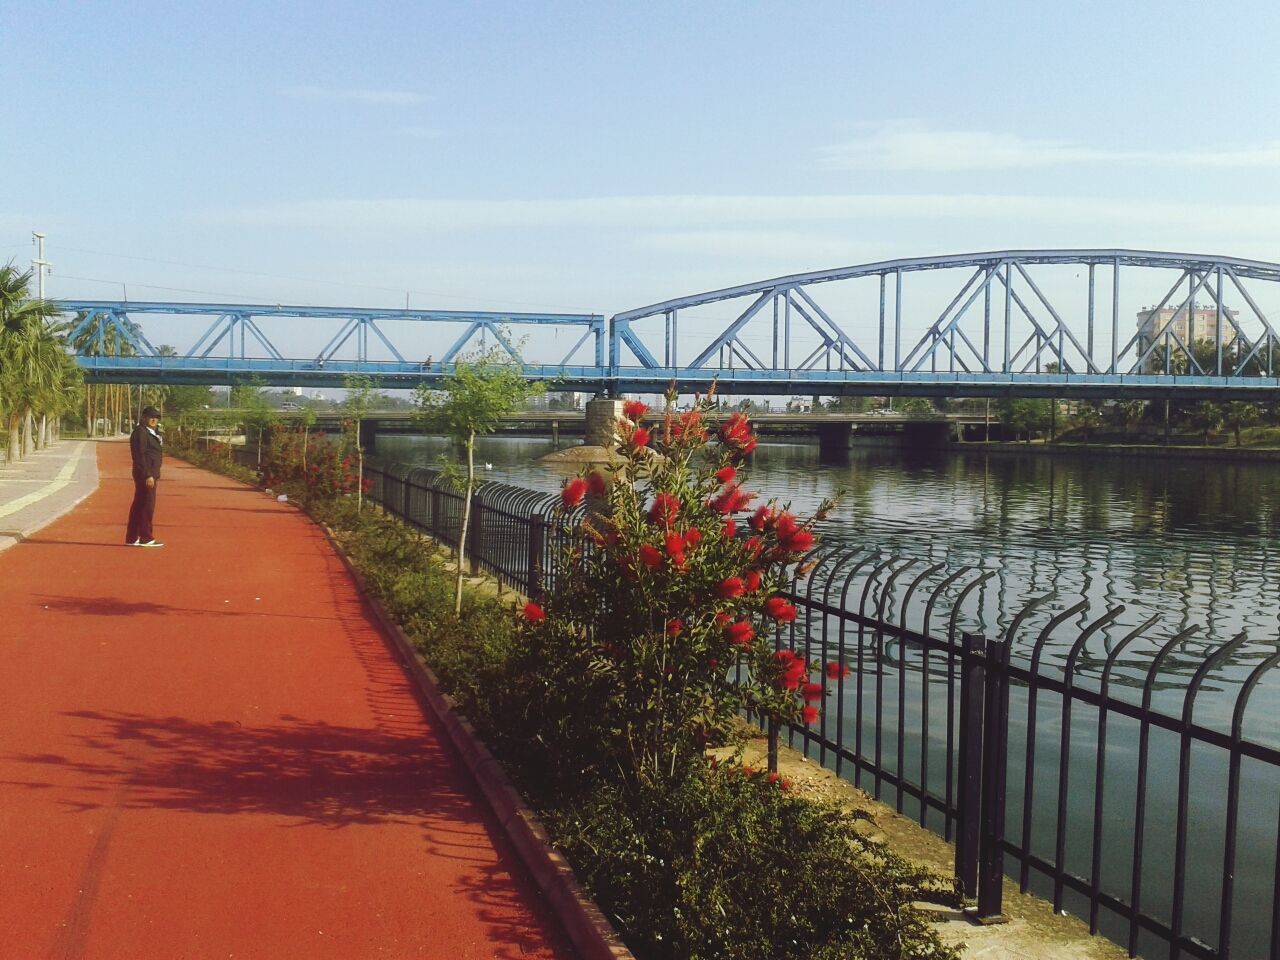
[(598, 156)]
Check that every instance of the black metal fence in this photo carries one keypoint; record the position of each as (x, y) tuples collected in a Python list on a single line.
[(1084, 756)]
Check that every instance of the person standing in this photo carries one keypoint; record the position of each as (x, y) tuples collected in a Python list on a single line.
[(148, 452)]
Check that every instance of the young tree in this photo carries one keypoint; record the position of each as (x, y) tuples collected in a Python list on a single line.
[(257, 413), (468, 404), (362, 396)]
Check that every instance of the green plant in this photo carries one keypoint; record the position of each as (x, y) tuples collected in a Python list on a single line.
[(658, 599), (466, 405)]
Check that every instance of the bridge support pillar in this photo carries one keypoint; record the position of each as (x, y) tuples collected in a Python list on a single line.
[(602, 422)]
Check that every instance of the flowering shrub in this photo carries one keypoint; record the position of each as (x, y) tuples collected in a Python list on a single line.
[(325, 469), (660, 598)]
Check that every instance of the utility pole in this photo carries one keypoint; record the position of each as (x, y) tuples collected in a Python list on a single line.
[(39, 263)]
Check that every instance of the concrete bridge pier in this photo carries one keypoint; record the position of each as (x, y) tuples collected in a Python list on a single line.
[(602, 418)]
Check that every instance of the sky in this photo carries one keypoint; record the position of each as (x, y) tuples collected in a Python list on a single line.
[(594, 157)]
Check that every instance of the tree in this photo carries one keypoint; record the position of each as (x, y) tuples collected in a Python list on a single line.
[(1125, 412), (34, 366), (1241, 413), (258, 415), (362, 396), (468, 404)]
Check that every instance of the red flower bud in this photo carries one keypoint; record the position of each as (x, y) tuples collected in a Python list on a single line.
[(534, 613), (573, 491), (634, 409), (674, 626)]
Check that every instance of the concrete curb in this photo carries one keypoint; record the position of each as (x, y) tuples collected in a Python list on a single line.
[(591, 933), (10, 538)]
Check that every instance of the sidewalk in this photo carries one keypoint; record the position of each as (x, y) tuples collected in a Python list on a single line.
[(36, 491), (207, 750)]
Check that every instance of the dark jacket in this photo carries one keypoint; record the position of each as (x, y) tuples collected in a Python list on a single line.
[(147, 451)]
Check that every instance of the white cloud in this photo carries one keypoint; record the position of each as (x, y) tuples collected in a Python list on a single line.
[(912, 146), (678, 214), (353, 95)]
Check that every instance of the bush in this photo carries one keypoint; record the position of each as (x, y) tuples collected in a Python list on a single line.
[(726, 864)]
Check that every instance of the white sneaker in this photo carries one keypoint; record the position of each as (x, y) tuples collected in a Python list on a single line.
[(134, 543), (151, 543)]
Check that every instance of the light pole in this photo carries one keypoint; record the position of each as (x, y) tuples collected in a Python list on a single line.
[(39, 263)]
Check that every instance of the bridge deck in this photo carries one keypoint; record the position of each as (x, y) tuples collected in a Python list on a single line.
[(207, 750)]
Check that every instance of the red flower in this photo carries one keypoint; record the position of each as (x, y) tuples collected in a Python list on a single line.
[(773, 777), (722, 618), (762, 518), (809, 714), (573, 492), (596, 483), (693, 537), (664, 510), (740, 632), (799, 542), (751, 580), (650, 556), (534, 613), (674, 626), (730, 587), (754, 547), (639, 438), (812, 691), (634, 409), (731, 500), (675, 545), (726, 474), (736, 432), (837, 671), (730, 528), (779, 609)]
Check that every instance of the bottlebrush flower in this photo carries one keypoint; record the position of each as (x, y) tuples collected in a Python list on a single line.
[(689, 427), (799, 542), (534, 613), (596, 483), (650, 556), (740, 632), (751, 580), (674, 626), (634, 409), (762, 519), (639, 438), (692, 538), (809, 714), (726, 474), (754, 547), (675, 545), (779, 610), (664, 510), (837, 670), (730, 528), (730, 587), (572, 492), (736, 433), (812, 691)]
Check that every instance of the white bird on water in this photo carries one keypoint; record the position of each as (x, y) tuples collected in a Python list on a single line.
[(488, 465)]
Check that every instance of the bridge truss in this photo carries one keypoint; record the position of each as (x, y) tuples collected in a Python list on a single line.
[(1035, 323)]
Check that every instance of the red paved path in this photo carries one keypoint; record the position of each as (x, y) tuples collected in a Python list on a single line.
[(207, 751)]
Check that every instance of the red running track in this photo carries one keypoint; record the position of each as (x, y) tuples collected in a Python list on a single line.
[(207, 751)]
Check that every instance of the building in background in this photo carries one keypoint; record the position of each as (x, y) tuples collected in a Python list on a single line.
[(1203, 325)]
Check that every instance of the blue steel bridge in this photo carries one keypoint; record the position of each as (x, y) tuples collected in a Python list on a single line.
[(1060, 323)]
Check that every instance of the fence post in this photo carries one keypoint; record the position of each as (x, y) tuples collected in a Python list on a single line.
[(407, 490), (973, 671), (995, 749), (477, 522), (537, 546), (437, 507)]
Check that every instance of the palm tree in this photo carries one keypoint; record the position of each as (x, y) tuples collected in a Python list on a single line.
[(31, 356)]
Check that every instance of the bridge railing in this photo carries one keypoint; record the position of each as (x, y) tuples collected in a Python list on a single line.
[(1063, 748)]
